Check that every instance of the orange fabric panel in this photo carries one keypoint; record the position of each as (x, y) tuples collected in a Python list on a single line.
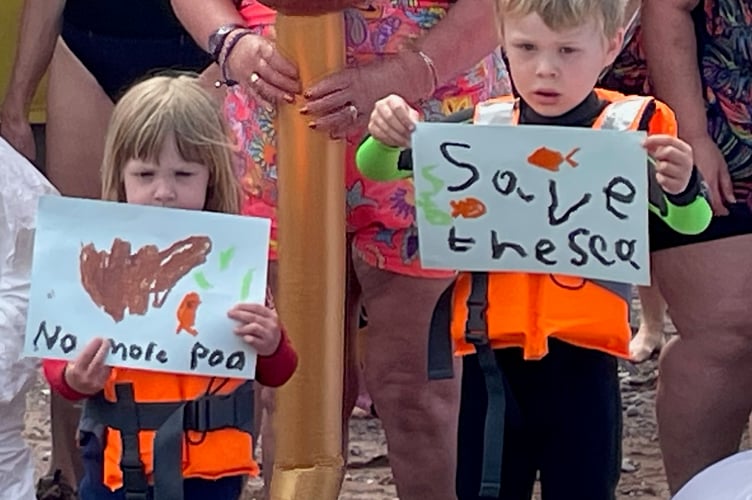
[(216, 454)]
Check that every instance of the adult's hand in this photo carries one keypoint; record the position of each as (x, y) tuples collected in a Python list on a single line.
[(714, 170), (256, 63), (308, 7), (17, 132), (342, 102)]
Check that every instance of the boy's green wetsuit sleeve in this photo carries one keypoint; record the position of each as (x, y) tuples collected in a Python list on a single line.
[(687, 213), (379, 162)]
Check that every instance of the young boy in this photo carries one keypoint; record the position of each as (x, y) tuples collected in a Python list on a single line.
[(552, 407)]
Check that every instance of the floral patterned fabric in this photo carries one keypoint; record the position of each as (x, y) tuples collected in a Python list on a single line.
[(381, 215)]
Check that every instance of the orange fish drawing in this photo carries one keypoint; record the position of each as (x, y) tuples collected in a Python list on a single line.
[(550, 159), (469, 208), (186, 313)]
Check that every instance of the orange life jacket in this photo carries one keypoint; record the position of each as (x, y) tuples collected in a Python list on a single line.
[(485, 311), (160, 428), (524, 310)]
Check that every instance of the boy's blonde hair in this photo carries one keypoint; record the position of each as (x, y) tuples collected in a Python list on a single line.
[(153, 110), (566, 14)]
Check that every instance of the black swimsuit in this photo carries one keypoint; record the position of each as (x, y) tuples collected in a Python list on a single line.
[(121, 42)]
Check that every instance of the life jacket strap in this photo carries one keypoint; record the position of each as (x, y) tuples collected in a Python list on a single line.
[(476, 334), (170, 420), (440, 352)]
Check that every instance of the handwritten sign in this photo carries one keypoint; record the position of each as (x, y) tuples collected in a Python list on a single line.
[(157, 282), (533, 199)]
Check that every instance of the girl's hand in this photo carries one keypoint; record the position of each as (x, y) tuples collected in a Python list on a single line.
[(673, 162), (393, 121), (88, 374), (259, 327)]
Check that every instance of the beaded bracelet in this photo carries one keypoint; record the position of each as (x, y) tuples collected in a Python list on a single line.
[(230, 42)]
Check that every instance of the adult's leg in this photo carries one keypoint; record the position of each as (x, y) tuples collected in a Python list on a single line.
[(419, 416), (77, 115), (264, 405), (649, 336), (352, 356), (705, 386), (78, 112)]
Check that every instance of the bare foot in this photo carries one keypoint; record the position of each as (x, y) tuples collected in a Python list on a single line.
[(645, 342)]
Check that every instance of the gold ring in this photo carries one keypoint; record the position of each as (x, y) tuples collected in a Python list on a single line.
[(254, 77)]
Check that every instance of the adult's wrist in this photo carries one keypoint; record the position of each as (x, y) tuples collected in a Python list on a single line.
[(218, 37), (423, 79)]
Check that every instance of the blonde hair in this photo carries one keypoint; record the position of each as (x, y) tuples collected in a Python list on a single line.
[(566, 14), (153, 110)]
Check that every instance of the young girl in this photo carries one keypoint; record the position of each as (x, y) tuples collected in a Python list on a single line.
[(167, 146)]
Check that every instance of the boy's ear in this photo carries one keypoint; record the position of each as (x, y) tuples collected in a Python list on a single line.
[(615, 46)]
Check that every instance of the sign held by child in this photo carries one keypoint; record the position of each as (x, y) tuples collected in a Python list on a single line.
[(551, 200), (156, 282)]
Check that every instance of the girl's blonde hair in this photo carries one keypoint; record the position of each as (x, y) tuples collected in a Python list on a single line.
[(566, 14), (163, 106)]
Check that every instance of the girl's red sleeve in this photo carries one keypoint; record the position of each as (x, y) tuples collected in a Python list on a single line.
[(276, 369), (54, 372)]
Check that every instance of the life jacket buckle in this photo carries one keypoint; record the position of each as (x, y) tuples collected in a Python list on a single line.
[(476, 327), (134, 481), (198, 414)]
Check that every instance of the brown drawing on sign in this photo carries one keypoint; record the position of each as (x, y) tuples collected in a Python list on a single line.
[(118, 280), (550, 159)]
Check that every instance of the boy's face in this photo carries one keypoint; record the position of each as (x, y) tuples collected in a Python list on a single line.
[(554, 71)]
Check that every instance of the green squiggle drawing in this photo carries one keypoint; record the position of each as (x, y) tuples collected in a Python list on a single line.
[(201, 281), (225, 257), (245, 287), (434, 215)]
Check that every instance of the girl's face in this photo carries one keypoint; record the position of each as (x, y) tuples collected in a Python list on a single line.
[(170, 182)]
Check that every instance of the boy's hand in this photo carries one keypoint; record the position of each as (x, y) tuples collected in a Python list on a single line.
[(673, 161), (88, 374), (393, 121), (259, 327)]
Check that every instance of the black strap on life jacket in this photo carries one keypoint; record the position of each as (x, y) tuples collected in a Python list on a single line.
[(476, 334), (440, 367), (170, 420), (440, 355)]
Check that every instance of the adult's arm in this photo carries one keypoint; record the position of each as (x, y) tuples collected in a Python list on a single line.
[(254, 60), (201, 17), (467, 34), (670, 45), (331, 101), (41, 21)]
